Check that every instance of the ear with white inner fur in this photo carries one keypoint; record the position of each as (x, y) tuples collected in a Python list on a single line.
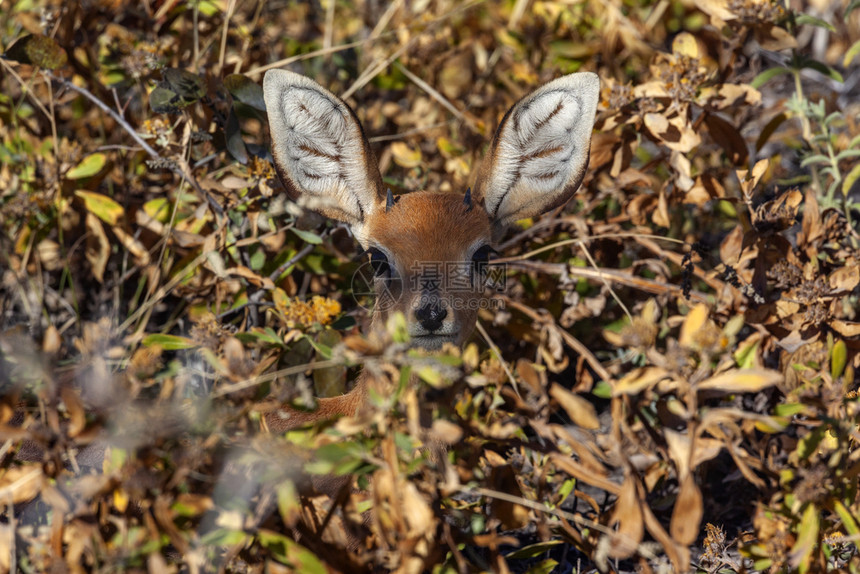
[(540, 152), (320, 151)]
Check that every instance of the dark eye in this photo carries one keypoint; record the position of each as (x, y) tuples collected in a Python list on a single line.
[(480, 260), (379, 262), (482, 254)]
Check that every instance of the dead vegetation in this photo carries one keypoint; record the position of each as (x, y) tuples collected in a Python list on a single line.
[(669, 381)]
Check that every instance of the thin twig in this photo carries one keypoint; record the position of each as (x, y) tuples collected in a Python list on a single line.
[(254, 381), (433, 93), (498, 353), (104, 107), (557, 512)]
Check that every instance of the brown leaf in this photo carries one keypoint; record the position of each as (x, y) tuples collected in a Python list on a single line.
[(811, 229), (75, 408), (446, 432), (846, 328), (687, 514), (20, 483), (98, 247), (728, 138), (580, 411), (845, 278), (661, 214), (679, 450), (628, 515)]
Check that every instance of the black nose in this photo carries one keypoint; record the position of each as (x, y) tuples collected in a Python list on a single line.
[(431, 315)]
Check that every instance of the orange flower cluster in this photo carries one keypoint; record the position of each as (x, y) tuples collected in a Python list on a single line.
[(319, 309)]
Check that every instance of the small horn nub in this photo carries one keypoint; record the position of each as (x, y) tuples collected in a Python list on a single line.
[(467, 201), (389, 200)]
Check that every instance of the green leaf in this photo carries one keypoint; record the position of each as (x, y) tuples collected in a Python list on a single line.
[(164, 101), (817, 158), (88, 167), (566, 488), (807, 537), (543, 567), (429, 375), (308, 236), (806, 446), (847, 153), (224, 537), (602, 390), (850, 179), (289, 505), (289, 552), (838, 359), (533, 550), (813, 21), (848, 521), (765, 76), (823, 69), (851, 7), (102, 206), (233, 135), (168, 342), (190, 87), (788, 409), (38, 50), (769, 130), (246, 91), (852, 51)]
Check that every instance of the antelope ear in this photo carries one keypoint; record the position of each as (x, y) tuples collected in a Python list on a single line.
[(320, 151), (540, 152)]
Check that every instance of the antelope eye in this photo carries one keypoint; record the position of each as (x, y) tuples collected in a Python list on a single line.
[(379, 262), (482, 254), (480, 260)]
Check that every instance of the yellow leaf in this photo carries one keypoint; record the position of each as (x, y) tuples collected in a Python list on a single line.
[(405, 156), (102, 206), (685, 44), (693, 324), (89, 166), (580, 411), (741, 381), (120, 499)]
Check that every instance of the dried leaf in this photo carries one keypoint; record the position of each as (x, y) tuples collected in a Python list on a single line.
[(687, 513), (628, 515), (639, 380), (580, 411), (846, 328), (98, 247), (846, 278), (20, 483), (741, 381)]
